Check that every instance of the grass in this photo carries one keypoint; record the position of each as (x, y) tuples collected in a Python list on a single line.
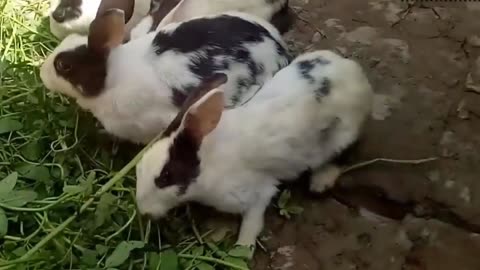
[(66, 202)]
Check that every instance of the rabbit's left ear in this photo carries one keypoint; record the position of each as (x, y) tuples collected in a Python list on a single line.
[(107, 31), (204, 114)]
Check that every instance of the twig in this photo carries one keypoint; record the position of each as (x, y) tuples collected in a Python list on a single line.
[(194, 226), (213, 260), (262, 247), (400, 161)]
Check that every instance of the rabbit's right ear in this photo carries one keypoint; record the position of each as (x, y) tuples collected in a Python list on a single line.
[(203, 116), (106, 32), (159, 9), (126, 5)]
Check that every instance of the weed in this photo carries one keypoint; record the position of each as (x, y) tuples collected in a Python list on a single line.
[(66, 202)]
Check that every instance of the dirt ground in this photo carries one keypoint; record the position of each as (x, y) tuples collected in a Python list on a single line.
[(424, 63)]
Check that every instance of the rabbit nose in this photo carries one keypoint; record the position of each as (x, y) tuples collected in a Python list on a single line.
[(59, 15)]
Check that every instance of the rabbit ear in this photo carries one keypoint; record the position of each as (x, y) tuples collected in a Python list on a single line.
[(126, 5), (159, 9), (203, 116), (106, 32)]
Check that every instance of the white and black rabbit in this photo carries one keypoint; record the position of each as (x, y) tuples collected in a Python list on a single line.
[(233, 160), (143, 16), (74, 16), (136, 88), (163, 12)]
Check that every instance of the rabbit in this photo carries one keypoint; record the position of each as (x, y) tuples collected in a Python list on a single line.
[(233, 160), (136, 88), (163, 12), (74, 16)]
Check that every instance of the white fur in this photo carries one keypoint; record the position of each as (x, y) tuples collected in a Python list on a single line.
[(277, 137), (89, 10), (188, 9), (136, 103)]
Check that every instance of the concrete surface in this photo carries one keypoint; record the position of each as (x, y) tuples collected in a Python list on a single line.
[(424, 63)]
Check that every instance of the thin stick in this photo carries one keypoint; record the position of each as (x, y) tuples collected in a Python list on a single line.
[(399, 161), (194, 226), (213, 260)]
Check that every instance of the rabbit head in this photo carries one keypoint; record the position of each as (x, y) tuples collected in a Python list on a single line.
[(72, 16), (78, 66), (172, 164)]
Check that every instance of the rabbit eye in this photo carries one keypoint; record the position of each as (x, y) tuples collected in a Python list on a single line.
[(62, 66), (166, 175)]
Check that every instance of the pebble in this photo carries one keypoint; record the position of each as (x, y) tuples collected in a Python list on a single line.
[(316, 37), (462, 111)]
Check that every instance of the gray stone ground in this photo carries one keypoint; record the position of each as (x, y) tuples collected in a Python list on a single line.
[(424, 63)]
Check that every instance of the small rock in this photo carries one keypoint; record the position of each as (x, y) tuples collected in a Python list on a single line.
[(316, 37), (447, 137), (449, 184), (433, 176), (425, 233), (403, 240), (465, 194), (462, 111)]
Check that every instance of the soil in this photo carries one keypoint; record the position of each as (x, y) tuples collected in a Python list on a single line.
[(423, 60)]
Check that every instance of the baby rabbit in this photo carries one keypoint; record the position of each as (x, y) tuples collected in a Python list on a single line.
[(233, 160), (163, 12), (75, 16), (136, 88)]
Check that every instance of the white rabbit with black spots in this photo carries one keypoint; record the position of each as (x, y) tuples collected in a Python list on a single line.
[(164, 12), (136, 88), (233, 160), (144, 16)]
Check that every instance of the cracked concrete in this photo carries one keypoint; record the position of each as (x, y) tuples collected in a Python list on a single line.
[(423, 60)]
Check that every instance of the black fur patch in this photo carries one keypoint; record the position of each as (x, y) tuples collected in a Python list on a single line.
[(182, 167), (323, 90), (83, 69), (178, 97), (306, 66), (223, 37), (67, 10), (282, 19)]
